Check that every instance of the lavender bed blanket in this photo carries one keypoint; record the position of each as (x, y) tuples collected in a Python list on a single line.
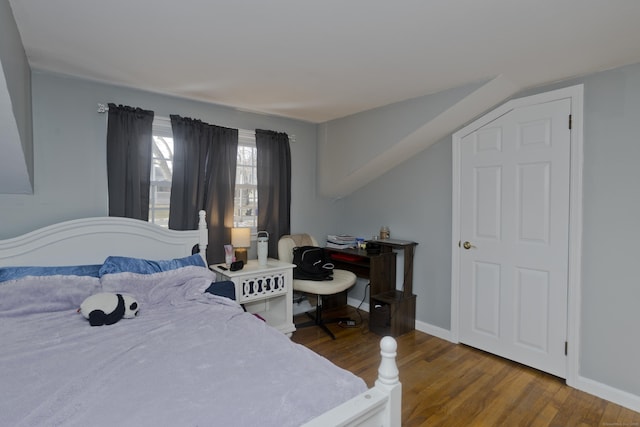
[(188, 359)]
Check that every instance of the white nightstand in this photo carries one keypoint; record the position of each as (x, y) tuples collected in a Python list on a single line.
[(266, 290)]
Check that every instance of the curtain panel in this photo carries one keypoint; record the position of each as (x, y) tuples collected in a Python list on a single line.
[(129, 139), (274, 185), (204, 177)]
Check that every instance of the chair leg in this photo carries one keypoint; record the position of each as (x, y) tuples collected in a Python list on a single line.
[(316, 320)]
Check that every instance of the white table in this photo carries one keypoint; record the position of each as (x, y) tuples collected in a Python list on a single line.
[(266, 290)]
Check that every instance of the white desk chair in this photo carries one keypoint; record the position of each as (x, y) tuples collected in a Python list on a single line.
[(342, 280)]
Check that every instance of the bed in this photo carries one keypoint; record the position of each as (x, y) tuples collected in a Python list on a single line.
[(190, 358)]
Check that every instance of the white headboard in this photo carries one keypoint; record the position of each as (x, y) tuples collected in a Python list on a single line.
[(91, 240)]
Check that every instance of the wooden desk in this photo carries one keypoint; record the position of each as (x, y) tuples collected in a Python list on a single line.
[(391, 311), (379, 269)]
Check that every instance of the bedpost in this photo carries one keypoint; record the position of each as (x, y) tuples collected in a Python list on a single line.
[(389, 380), (203, 238), (380, 406)]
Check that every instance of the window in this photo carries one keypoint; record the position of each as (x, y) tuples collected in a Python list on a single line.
[(245, 201), (161, 172), (246, 191)]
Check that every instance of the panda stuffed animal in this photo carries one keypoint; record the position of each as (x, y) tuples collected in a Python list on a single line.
[(108, 308)]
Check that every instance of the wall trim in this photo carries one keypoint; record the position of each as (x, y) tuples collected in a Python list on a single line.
[(356, 302), (436, 331), (587, 385), (603, 391)]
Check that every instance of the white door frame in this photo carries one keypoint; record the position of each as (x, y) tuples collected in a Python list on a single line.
[(575, 93)]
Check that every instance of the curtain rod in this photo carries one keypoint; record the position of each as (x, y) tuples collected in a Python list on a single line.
[(103, 108)]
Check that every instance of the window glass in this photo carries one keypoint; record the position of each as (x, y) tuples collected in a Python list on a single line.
[(245, 202), (161, 172)]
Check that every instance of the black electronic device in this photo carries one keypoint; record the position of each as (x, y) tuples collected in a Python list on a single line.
[(237, 265), (373, 248)]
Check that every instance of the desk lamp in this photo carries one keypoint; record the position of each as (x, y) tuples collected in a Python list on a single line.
[(241, 240)]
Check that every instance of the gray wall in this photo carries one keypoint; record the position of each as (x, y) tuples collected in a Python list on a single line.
[(70, 179), (356, 149), (414, 199), (610, 284)]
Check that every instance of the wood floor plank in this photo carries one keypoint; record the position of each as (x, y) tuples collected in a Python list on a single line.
[(445, 384)]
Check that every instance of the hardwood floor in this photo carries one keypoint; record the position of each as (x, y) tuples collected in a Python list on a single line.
[(445, 384)]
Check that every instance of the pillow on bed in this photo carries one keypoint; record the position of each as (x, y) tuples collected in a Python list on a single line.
[(13, 273), (45, 294), (119, 264), (224, 288)]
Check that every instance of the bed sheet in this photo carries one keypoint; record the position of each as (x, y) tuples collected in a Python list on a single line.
[(189, 359)]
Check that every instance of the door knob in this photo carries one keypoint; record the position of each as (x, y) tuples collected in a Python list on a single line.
[(467, 245)]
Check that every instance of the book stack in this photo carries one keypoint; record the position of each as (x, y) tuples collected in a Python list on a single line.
[(341, 241)]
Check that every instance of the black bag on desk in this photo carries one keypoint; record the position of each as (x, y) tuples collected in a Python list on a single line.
[(311, 264)]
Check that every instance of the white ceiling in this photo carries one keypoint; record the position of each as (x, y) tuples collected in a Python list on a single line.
[(321, 60)]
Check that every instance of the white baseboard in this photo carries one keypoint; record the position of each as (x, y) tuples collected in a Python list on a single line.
[(355, 303), (436, 331), (603, 391)]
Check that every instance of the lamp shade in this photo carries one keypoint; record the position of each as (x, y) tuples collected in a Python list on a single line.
[(241, 237)]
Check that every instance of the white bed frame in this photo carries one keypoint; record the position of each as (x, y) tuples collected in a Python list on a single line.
[(92, 240)]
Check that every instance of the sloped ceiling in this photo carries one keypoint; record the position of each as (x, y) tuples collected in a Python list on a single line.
[(14, 175), (345, 169), (16, 159), (322, 61)]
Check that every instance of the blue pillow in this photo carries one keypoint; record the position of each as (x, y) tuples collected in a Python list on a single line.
[(12, 273), (224, 289), (120, 264)]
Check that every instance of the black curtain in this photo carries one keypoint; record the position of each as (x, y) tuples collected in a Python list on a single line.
[(204, 177), (129, 139), (274, 185)]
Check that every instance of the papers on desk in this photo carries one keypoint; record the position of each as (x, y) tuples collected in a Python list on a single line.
[(339, 245), (341, 241)]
